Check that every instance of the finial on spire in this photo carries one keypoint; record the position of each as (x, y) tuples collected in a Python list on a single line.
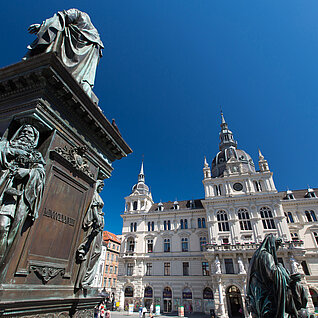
[(141, 176), (222, 117), (260, 155), (205, 162)]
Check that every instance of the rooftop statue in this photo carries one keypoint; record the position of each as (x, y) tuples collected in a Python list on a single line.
[(22, 177), (71, 34), (271, 291)]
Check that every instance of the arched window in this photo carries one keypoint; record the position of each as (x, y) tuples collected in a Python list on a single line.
[(257, 186), (311, 216), (129, 292), (207, 293), (131, 227), (267, 218), (222, 219), (203, 223), (187, 293), (185, 223), (167, 292), (152, 226), (148, 293), (202, 243), (169, 225), (135, 205), (245, 223), (165, 225), (166, 245), (149, 226), (131, 245), (199, 223), (289, 217), (184, 244), (135, 227), (181, 224)]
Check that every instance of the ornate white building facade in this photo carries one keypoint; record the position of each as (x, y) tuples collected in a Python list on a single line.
[(196, 253)]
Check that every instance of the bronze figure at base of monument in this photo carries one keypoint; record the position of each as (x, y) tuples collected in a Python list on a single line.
[(56, 148)]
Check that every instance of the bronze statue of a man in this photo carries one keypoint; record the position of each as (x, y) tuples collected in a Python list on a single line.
[(21, 182), (71, 34), (271, 291), (90, 249)]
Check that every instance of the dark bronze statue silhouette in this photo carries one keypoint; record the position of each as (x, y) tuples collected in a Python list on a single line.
[(271, 291), (22, 177), (71, 34)]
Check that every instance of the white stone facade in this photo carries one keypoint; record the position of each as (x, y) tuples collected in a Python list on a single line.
[(196, 253)]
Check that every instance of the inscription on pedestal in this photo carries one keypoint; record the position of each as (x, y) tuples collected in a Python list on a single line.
[(58, 217)]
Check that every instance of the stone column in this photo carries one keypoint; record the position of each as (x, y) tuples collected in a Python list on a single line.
[(221, 309)]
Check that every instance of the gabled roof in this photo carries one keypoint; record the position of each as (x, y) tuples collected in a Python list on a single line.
[(108, 236)]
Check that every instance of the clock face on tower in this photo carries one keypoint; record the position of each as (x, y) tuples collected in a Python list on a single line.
[(238, 186)]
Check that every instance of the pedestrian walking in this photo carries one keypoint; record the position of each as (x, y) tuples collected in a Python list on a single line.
[(151, 310)]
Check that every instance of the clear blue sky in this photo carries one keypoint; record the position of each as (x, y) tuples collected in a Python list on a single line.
[(167, 67)]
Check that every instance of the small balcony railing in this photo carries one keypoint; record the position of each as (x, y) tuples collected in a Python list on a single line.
[(247, 246)]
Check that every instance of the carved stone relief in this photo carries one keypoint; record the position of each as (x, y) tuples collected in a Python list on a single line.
[(46, 272), (76, 157)]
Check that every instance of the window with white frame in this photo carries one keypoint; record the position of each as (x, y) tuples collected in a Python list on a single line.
[(222, 219), (244, 219), (267, 218), (149, 246), (289, 217), (184, 244), (311, 216), (202, 243), (148, 269), (166, 245), (131, 245), (130, 269)]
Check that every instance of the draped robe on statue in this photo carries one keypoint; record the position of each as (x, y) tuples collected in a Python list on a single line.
[(271, 291), (19, 197), (90, 249), (72, 35)]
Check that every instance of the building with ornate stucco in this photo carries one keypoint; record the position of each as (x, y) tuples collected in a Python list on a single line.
[(196, 253)]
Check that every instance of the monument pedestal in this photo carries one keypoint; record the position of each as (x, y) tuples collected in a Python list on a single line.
[(78, 144)]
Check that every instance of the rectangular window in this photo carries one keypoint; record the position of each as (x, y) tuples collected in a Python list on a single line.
[(112, 257), (108, 256), (205, 269), (115, 272), (229, 267), (130, 269), (184, 244), (185, 266), (166, 245), (167, 269), (148, 269), (106, 270), (110, 269), (305, 268), (150, 246)]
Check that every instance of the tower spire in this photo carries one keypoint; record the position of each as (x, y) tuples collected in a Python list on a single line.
[(226, 135), (141, 176)]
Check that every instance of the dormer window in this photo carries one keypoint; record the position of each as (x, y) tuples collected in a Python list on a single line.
[(175, 205), (192, 204), (310, 194), (289, 195), (160, 206), (135, 205)]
